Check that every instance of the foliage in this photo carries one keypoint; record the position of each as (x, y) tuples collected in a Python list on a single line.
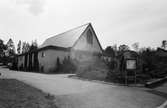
[(115, 47), (109, 51), (94, 68), (135, 46), (153, 64), (66, 66), (164, 44), (123, 48), (19, 47), (10, 48), (34, 46), (2, 48), (26, 47), (58, 65)]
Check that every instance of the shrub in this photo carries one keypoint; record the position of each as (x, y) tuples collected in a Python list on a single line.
[(68, 66)]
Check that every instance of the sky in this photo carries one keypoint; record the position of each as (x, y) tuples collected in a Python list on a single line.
[(114, 21)]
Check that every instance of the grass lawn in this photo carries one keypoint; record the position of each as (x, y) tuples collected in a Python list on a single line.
[(15, 94)]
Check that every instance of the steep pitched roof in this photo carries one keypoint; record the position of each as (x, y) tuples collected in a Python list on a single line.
[(66, 39)]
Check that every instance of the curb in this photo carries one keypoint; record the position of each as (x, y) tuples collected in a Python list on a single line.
[(155, 83), (163, 105)]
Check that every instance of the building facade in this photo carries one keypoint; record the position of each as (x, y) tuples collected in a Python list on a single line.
[(80, 43)]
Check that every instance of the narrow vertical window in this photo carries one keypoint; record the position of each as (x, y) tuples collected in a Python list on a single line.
[(89, 37)]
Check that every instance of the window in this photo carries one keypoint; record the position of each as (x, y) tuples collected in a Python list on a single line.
[(89, 37), (43, 54)]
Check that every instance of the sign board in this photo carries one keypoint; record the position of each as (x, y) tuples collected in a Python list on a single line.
[(130, 64)]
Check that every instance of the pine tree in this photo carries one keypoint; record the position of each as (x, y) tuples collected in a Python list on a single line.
[(26, 47), (19, 47), (2, 48), (10, 47), (33, 46)]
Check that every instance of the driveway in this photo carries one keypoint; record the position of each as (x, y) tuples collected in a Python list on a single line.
[(74, 93)]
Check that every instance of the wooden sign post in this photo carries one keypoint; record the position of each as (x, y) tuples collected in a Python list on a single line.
[(130, 71)]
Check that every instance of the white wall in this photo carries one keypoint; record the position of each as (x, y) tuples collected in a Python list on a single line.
[(49, 60), (82, 43)]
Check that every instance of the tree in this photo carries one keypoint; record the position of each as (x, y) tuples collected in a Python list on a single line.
[(19, 47), (2, 48), (10, 48), (114, 47), (58, 64), (110, 51), (26, 47), (135, 46), (35, 43), (142, 49), (164, 44), (34, 46), (123, 47)]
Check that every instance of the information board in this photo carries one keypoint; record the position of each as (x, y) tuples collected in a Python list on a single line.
[(130, 64)]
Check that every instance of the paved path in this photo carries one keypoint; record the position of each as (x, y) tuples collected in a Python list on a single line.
[(74, 93)]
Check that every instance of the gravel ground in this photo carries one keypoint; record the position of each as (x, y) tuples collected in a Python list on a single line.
[(15, 94)]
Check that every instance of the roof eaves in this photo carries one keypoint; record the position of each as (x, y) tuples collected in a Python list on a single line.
[(54, 47), (96, 38)]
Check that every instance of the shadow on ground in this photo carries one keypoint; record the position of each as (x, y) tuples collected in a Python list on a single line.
[(159, 93)]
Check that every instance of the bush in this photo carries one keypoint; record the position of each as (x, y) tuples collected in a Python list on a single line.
[(67, 66), (92, 69)]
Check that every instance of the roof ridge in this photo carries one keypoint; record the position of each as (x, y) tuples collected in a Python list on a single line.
[(68, 31)]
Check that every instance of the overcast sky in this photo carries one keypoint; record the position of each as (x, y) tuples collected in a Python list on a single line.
[(114, 21)]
